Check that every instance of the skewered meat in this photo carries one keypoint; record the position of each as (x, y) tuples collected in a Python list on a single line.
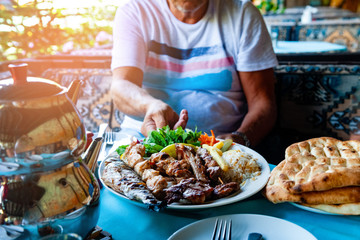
[(123, 179), (213, 169), (190, 189), (171, 181), (157, 184), (187, 153), (133, 157), (179, 169), (160, 161), (149, 173), (141, 167), (170, 166), (226, 189), (134, 154)]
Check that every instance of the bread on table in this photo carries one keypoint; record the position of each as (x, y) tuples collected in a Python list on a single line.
[(321, 173), (300, 173)]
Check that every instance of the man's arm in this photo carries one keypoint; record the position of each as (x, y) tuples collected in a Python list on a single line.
[(130, 98), (259, 89)]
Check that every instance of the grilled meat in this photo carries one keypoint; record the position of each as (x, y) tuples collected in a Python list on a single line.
[(195, 191), (133, 157), (170, 166), (213, 169), (141, 167), (179, 169), (134, 154), (123, 179), (149, 173), (187, 153), (160, 161), (224, 190), (157, 184)]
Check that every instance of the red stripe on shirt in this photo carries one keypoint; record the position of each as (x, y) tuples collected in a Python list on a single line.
[(193, 66)]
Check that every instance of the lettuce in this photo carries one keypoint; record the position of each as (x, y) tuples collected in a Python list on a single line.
[(165, 136)]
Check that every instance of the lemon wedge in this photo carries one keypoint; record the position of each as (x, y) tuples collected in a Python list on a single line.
[(171, 149)]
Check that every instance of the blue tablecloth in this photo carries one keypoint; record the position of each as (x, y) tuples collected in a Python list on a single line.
[(307, 47), (125, 220)]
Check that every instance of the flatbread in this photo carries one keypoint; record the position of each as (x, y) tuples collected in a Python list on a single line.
[(322, 173), (345, 209), (325, 147), (277, 194), (304, 172)]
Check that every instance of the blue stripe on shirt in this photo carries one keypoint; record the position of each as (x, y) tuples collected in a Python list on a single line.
[(220, 81)]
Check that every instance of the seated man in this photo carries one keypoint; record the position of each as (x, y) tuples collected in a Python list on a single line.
[(211, 61)]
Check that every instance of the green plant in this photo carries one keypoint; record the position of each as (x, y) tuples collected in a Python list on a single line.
[(37, 28), (267, 6)]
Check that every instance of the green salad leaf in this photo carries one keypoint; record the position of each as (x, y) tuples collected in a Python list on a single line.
[(121, 149), (165, 136)]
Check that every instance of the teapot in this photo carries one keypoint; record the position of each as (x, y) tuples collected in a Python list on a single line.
[(45, 187)]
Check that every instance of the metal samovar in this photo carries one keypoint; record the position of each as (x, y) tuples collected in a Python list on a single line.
[(45, 187)]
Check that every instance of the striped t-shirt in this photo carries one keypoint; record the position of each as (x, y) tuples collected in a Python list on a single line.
[(195, 66)]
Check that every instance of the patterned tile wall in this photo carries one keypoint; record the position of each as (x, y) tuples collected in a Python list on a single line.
[(319, 100), (94, 103)]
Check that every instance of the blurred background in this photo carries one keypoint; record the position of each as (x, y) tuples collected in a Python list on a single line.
[(30, 28)]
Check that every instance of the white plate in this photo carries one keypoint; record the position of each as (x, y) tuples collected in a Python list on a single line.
[(310, 209), (271, 228), (250, 188)]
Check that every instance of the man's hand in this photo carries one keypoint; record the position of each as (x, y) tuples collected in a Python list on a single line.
[(184, 117), (159, 115), (132, 100)]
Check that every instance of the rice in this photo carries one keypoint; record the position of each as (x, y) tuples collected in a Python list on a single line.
[(242, 166)]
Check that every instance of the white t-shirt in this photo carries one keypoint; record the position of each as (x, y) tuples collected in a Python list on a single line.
[(195, 66)]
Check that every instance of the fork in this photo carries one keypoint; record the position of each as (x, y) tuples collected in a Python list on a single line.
[(222, 230), (109, 137), (108, 140)]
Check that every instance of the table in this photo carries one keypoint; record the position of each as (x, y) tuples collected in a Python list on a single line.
[(307, 47), (125, 220)]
